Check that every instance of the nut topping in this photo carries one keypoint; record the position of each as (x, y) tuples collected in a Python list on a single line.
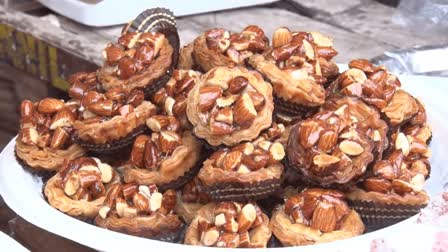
[(208, 96), (50, 105), (351, 148), (246, 217), (281, 37), (244, 111), (237, 84)]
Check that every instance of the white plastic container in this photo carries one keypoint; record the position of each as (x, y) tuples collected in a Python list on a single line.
[(114, 12)]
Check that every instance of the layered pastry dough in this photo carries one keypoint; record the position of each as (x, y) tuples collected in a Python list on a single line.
[(315, 216), (109, 120), (219, 47), (140, 210), (229, 224), (44, 140), (330, 148), (230, 105), (293, 67), (79, 188), (145, 54), (250, 170), (381, 89)]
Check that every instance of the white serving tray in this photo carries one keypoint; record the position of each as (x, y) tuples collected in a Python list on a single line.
[(114, 12), (22, 192)]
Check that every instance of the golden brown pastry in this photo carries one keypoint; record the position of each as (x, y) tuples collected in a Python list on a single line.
[(394, 189), (219, 47), (140, 210), (79, 188), (367, 118), (315, 216), (44, 140), (145, 54), (229, 225), (378, 87), (331, 148), (169, 157), (248, 171), (189, 200), (109, 121), (230, 105), (293, 66)]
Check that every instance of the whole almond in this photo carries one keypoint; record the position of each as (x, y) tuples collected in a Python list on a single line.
[(63, 118), (26, 108), (237, 84), (207, 97), (324, 217), (50, 105), (377, 185)]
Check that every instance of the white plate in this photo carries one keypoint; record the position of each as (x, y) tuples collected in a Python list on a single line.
[(23, 194)]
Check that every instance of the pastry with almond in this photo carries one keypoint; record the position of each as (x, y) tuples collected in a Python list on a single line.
[(366, 118), (230, 105), (394, 189), (109, 120), (330, 149), (140, 210), (189, 200), (376, 86), (79, 188), (145, 54), (298, 65), (173, 97), (44, 140), (315, 216), (169, 157), (229, 225), (220, 47), (248, 171)]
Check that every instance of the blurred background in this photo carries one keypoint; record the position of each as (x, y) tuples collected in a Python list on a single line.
[(43, 42)]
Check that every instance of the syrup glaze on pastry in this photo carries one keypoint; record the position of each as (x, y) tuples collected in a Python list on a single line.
[(330, 148), (140, 210), (79, 188), (44, 139), (315, 216), (219, 47), (173, 97), (144, 55), (293, 67), (230, 225), (378, 87), (168, 157), (367, 119), (230, 105), (248, 171), (108, 119)]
